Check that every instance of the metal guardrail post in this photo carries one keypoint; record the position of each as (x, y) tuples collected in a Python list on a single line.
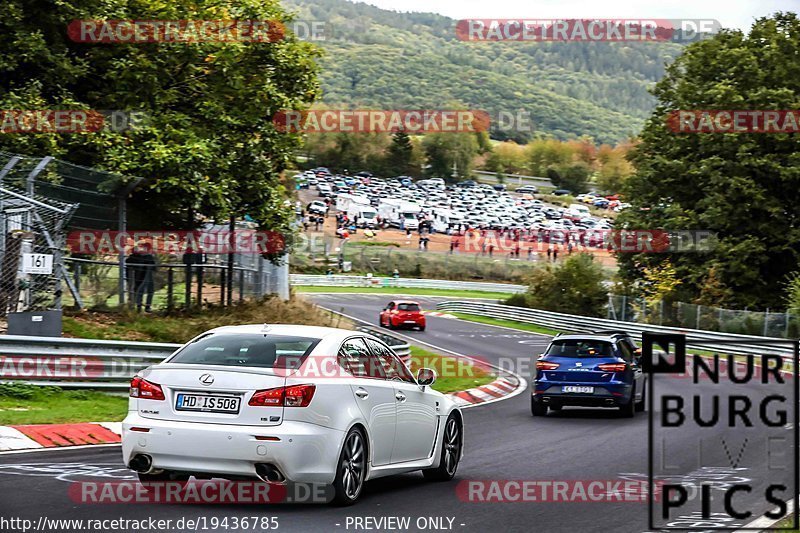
[(200, 273), (188, 289), (170, 289), (222, 285)]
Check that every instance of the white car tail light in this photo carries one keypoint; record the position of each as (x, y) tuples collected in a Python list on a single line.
[(141, 388), (294, 396)]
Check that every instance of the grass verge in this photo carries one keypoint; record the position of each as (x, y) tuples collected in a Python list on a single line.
[(453, 374), (29, 404), (784, 525), (524, 326), (404, 291)]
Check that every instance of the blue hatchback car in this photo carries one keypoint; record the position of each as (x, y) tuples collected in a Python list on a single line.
[(591, 370)]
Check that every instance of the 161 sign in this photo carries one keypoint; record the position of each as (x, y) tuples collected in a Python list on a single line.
[(37, 263)]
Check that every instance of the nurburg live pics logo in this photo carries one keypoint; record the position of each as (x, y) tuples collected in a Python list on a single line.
[(742, 415)]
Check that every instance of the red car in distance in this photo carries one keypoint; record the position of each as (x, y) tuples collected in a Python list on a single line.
[(402, 314)]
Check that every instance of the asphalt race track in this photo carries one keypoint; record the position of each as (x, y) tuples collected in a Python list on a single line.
[(503, 442)]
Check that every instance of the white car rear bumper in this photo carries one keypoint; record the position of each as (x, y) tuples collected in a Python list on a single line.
[(305, 452)]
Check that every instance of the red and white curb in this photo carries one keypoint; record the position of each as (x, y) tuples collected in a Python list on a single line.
[(499, 388), (439, 314), (58, 435)]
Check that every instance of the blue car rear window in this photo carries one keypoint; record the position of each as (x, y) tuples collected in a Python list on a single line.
[(580, 348)]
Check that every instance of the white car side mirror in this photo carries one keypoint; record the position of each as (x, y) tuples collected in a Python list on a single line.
[(426, 376)]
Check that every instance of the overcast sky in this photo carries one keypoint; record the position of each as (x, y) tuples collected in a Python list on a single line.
[(731, 13)]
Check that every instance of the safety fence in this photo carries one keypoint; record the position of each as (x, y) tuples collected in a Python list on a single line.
[(102, 364), (698, 339), (767, 323), (167, 286), (374, 281)]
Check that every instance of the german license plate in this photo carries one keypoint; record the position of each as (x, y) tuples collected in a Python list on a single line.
[(575, 388), (207, 403)]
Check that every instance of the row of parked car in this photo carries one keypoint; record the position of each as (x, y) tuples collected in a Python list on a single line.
[(603, 202), (405, 203)]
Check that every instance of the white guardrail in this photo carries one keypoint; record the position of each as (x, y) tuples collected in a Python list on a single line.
[(367, 281), (698, 339), (102, 364)]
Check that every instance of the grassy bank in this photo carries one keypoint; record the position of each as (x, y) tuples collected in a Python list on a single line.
[(524, 326), (180, 327), (403, 291), (452, 374), (28, 404)]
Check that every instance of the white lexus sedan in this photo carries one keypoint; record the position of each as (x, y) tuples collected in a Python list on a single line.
[(283, 403)]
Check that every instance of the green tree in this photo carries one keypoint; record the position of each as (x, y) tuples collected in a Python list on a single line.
[(401, 153), (713, 291), (576, 286), (443, 150), (614, 169), (208, 147), (792, 294), (572, 177), (744, 187)]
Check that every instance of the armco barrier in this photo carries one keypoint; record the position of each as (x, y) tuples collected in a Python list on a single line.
[(698, 339), (366, 281), (101, 364)]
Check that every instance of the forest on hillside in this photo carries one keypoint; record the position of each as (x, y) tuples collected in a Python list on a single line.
[(386, 59)]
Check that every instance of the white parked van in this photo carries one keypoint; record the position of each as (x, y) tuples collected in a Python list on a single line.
[(365, 215), (444, 219), (400, 213), (345, 202)]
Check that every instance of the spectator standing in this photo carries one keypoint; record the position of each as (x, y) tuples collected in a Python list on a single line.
[(141, 266)]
